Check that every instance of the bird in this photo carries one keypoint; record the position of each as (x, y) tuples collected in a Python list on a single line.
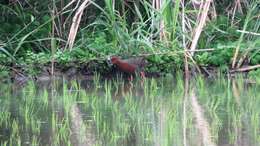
[(129, 66)]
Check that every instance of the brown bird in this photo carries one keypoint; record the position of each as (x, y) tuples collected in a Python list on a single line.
[(130, 66)]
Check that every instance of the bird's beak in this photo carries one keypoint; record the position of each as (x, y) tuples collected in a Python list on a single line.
[(109, 63)]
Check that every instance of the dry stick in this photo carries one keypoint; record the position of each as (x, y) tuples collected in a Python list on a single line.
[(54, 10), (58, 26), (61, 17), (72, 10), (193, 61), (157, 6), (239, 6), (198, 5), (184, 41), (70, 3), (152, 21), (186, 76), (233, 14), (52, 40), (214, 13), (244, 56), (243, 69), (199, 28), (248, 32), (237, 51), (162, 27), (75, 24)]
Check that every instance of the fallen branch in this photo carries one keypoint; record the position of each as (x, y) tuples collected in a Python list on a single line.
[(243, 69)]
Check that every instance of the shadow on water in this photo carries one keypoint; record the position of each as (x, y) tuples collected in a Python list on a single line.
[(163, 111)]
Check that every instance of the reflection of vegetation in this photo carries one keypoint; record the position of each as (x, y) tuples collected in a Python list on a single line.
[(254, 75), (32, 32), (115, 113)]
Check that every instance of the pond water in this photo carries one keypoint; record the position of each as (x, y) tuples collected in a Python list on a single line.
[(154, 112)]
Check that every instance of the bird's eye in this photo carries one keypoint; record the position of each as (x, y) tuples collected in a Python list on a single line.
[(109, 62)]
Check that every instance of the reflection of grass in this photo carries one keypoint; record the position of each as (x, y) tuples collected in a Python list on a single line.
[(5, 118), (118, 113)]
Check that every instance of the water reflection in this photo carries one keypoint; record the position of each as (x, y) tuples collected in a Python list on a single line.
[(163, 111)]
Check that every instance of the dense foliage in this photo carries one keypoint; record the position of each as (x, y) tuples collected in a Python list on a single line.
[(34, 33)]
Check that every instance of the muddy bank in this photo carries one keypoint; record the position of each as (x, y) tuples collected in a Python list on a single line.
[(86, 71), (71, 71)]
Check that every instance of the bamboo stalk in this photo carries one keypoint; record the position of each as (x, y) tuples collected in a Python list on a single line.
[(198, 29), (75, 24)]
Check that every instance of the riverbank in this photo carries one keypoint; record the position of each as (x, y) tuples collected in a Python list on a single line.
[(86, 70)]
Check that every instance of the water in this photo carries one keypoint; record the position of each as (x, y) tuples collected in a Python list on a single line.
[(159, 112)]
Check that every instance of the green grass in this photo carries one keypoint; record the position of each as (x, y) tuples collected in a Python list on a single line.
[(113, 112)]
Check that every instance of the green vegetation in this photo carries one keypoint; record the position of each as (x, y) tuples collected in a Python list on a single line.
[(33, 34), (70, 39), (114, 112)]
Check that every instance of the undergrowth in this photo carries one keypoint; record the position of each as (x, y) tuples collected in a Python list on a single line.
[(34, 34)]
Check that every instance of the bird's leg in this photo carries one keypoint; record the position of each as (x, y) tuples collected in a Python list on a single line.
[(131, 78), (142, 74)]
